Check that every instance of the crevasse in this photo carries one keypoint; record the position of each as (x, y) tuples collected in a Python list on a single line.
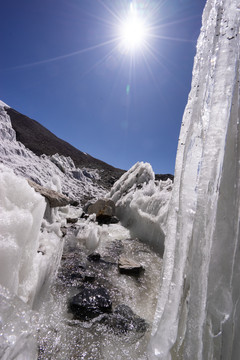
[(198, 308)]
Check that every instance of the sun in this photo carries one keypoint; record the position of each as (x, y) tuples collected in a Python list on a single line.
[(133, 31)]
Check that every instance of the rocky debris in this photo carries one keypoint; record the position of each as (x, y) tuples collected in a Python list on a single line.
[(104, 207), (128, 266), (89, 276), (104, 210), (71, 220), (124, 320), (84, 216), (114, 220), (74, 202), (54, 198), (90, 302), (63, 230), (164, 177), (106, 219), (94, 256), (115, 249)]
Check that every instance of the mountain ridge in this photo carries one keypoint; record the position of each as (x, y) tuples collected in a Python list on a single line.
[(41, 141)]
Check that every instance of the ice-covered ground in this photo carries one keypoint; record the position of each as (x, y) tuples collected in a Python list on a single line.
[(30, 251)]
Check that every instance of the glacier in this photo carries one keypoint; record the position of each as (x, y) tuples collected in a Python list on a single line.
[(195, 221), (198, 308)]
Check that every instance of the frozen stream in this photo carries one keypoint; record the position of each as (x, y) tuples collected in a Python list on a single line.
[(60, 336)]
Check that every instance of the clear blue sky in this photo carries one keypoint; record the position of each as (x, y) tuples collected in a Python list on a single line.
[(61, 65)]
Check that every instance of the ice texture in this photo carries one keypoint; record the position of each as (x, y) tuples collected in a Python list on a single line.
[(198, 308), (17, 340), (142, 204), (76, 183), (29, 259), (21, 214)]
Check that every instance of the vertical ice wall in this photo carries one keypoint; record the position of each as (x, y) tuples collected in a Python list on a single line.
[(198, 314)]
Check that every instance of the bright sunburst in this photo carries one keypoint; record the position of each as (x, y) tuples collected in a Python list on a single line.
[(132, 31)]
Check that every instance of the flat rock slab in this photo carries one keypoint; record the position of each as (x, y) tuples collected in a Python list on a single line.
[(90, 302), (54, 198), (128, 266)]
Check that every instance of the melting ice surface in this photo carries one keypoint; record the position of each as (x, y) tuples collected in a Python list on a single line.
[(35, 322)]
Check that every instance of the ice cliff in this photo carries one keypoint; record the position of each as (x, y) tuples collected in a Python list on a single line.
[(198, 314)]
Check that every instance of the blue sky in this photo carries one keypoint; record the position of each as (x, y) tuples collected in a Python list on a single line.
[(61, 64)]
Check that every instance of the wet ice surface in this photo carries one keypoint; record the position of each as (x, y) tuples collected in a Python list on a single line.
[(60, 336)]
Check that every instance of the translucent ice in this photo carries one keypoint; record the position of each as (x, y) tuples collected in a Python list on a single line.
[(198, 315)]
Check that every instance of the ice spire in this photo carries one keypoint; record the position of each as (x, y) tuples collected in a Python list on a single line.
[(198, 313)]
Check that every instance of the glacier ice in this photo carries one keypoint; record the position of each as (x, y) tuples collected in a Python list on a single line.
[(142, 204), (28, 262), (198, 313)]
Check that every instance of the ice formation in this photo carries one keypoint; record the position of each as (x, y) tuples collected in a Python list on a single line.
[(28, 262), (142, 204), (75, 182), (198, 314)]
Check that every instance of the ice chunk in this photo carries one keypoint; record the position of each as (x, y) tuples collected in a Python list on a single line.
[(142, 204), (21, 213)]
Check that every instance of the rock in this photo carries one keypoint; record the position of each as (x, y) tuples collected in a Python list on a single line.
[(71, 220), (54, 198), (63, 230), (74, 202), (103, 207), (84, 216), (129, 266), (94, 256), (106, 219), (124, 320), (90, 302), (89, 277)]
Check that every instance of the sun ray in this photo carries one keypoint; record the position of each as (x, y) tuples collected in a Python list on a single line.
[(163, 37), (61, 57), (109, 10), (180, 21), (101, 61)]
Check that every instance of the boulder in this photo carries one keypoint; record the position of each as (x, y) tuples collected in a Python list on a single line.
[(71, 220), (102, 207), (90, 302), (54, 198), (128, 266), (94, 256)]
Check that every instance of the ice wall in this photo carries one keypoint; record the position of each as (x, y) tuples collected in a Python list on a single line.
[(198, 313)]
